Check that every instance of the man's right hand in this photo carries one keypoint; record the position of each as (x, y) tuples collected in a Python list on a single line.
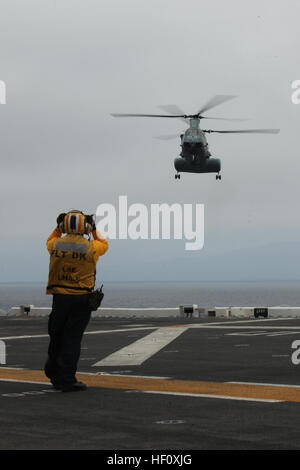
[(60, 218)]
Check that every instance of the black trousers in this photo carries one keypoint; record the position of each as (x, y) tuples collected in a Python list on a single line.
[(68, 319)]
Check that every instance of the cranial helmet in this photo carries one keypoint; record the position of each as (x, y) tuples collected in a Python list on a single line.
[(74, 222)]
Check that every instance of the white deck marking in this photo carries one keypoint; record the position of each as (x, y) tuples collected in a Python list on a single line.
[(252, 320), (142, 349), (134, 376), (263, 333), (280, 355), (25, 381), (282, 333), (204, 395), (24, 337), (241, 327), (96, 332), (264, 384)]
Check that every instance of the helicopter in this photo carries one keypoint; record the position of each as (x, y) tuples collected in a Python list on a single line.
[(195, 156)]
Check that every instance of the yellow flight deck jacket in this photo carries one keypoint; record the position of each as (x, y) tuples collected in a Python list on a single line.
[(73, 261)]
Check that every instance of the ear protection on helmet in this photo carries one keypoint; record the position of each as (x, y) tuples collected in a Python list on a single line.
[(75, 222)]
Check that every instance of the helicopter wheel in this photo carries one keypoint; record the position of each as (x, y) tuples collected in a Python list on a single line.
[(218, 177), (177, 176)]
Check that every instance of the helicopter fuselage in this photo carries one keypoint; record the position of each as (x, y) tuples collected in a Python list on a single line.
[(195, 156)]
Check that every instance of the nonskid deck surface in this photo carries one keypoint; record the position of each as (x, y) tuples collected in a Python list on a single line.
[(156, 384)]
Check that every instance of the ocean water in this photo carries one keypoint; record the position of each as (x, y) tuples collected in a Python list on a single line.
[(166, 294)]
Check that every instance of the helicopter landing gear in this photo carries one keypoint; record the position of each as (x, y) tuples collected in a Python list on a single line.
[(177, 176), (218, 177)]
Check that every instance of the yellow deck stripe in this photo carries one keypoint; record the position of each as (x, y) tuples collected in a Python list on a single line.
[(268, 392)]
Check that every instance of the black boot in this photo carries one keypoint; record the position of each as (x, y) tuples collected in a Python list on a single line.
[(73, 387)]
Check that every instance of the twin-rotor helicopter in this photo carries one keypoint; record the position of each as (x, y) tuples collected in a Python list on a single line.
[(195, 156)]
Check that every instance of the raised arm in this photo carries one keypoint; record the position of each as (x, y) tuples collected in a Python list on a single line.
[(100, 244), (55, 234)]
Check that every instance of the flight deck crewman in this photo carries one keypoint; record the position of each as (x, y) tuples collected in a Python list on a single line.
[(72, 273)]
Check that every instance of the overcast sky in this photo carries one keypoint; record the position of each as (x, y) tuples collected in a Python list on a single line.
[(68, 64)]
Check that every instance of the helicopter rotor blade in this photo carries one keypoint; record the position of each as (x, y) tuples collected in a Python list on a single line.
[(215, 101), (246, 131), (146, 115), (225, 119), (174, 109)]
